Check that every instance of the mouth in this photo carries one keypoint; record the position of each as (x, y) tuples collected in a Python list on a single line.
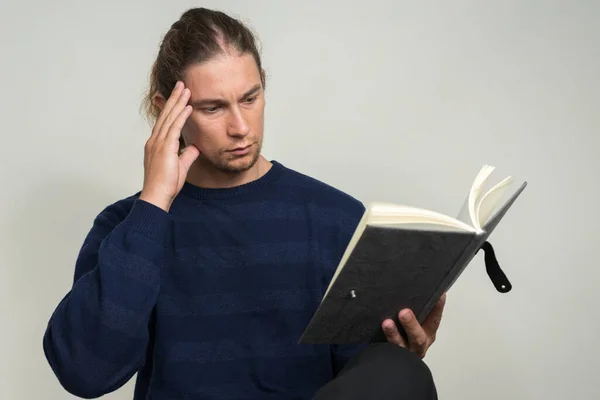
[(241, 150)]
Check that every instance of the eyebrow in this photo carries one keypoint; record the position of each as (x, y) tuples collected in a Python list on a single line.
[(206, 102)]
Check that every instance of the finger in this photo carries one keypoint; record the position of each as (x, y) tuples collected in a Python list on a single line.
[(417, 337), (175, 113), (186, 159), (432, 323), (392, 334), (175, 128), (173, 97)]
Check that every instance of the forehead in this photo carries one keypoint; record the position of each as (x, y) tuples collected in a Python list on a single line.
[(226, 74)]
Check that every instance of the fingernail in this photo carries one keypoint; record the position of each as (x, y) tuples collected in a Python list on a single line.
[(406, 317)]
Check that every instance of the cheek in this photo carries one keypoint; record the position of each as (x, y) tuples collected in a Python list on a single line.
[(199, 133)]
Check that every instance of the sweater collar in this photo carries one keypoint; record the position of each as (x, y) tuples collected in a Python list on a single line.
[(271, 176)]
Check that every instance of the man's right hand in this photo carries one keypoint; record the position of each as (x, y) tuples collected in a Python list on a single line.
[(165, 170)]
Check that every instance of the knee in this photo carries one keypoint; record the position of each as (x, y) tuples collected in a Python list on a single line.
[(396, 358), (382, 371), (400, 369)]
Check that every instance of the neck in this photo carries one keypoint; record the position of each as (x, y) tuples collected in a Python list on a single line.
[(205, 175)]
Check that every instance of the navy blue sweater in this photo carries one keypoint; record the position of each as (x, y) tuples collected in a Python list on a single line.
[(207, 301)]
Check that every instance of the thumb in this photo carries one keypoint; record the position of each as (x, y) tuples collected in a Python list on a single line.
[(187, 158)]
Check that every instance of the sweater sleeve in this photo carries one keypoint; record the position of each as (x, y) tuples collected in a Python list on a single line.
[(97, 336)]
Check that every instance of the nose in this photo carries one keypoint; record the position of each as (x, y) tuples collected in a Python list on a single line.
[(238, 123)]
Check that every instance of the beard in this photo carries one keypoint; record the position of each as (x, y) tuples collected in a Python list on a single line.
[(232, 164)]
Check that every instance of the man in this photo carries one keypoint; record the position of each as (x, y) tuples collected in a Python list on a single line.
[(203, 282)]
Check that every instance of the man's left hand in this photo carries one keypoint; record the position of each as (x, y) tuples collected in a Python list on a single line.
[(420, 337)]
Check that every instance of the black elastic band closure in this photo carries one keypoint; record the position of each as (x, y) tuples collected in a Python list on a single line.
[(494, 271)]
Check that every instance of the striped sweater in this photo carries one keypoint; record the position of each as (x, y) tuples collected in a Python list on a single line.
[(207, 301)]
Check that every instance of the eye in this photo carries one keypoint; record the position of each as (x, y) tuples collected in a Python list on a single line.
[(250, 100), (211, 110)]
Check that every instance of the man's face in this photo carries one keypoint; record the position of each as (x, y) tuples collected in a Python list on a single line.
[(227, 120)]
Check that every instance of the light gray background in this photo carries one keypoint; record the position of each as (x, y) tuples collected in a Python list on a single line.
[(400, 101)]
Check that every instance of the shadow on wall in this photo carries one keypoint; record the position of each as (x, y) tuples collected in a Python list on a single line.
[(48, 225)]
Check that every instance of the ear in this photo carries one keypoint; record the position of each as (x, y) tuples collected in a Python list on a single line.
[(159, 101)]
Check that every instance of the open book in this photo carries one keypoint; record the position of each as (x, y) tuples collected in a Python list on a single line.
[(407, 257)]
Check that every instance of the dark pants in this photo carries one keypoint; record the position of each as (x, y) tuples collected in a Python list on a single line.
[(382, 371)]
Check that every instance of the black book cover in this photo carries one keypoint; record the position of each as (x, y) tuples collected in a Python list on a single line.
[(392, 268)]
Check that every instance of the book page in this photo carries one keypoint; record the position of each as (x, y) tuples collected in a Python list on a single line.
[(490, 201), (381, 213), (476, 193)]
